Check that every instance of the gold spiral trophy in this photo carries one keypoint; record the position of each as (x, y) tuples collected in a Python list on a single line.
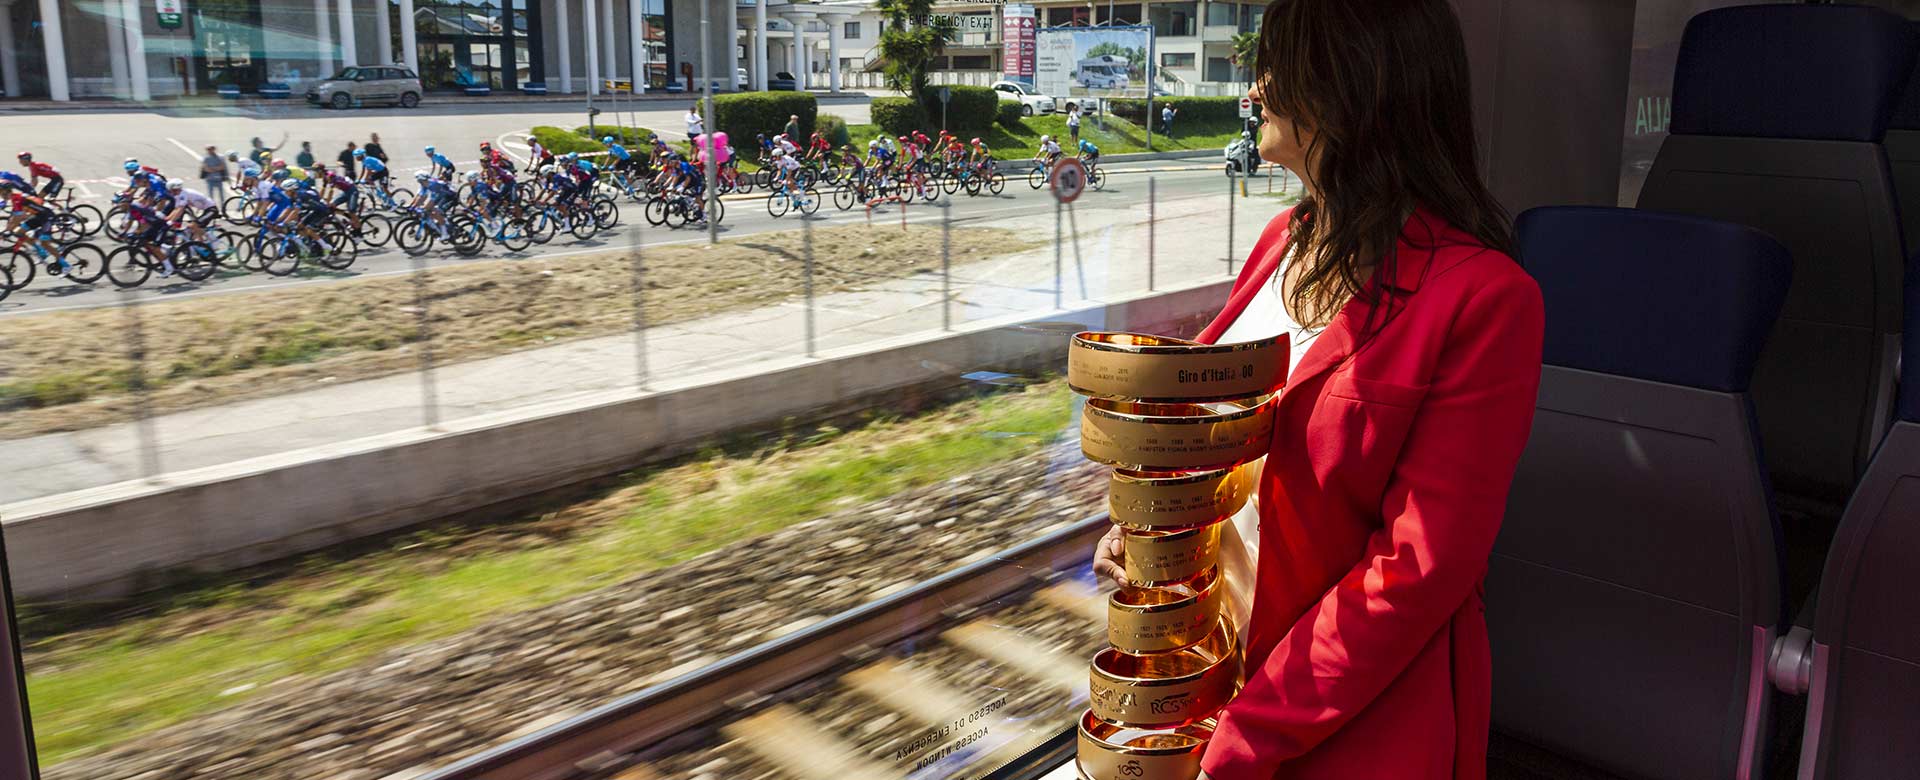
[(1176, 419)]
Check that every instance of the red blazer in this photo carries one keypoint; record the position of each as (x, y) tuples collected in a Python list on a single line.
[(1381, 496)]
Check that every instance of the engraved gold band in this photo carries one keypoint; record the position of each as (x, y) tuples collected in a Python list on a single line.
[(1167, 556), (1146, 499), (1176, 437), (1111, 752), (1139, 367), (1159, 620), (1166, 689)]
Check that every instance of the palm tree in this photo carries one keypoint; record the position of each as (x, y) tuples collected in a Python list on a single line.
[(1245, 47), (909, 42)]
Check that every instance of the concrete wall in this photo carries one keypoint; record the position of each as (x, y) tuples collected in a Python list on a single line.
[(133, 536)]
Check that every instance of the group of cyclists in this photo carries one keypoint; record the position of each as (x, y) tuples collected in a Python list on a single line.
[(282, 214)]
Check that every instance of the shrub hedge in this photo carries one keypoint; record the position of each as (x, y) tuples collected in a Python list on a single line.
[(561, 141), (970, 112), (630, 137), (898, 115), (835, 129), (1008, 113), (743, 114), (1194, 109)]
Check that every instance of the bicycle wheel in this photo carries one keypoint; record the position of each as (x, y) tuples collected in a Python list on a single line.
[(376, 229), (400, 197), (466, 235), (20, 267), (282, 256), (85, 262), (606, 213), (87, 218), (810, 201), (973, 186), (998, 183), (234, 209), (743, 183), (949, 184), (929, 190), (1037, 177), (844, 197), (580, 223), (253, 254), (194, 260), (656, 212), (513, 236), (777, 204), (1096, 178), (6, 284), (718, 212), (127, 266), (413, 236), (342, 250)]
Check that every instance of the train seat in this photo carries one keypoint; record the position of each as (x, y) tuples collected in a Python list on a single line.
[(1863, 674), (1778, 116), (1903, 156), (1634, 590)]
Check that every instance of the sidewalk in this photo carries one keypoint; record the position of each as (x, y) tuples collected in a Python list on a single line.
[(1109, 257), (247, 103)]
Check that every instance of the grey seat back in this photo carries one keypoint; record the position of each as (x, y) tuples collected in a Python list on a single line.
[(1634, 588), (1863, 706), (1778, 116), (1903, 155)]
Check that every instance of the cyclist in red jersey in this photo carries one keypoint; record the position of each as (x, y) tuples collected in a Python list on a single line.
[(37, 171)]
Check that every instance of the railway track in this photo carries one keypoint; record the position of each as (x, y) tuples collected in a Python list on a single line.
[(958, 676)]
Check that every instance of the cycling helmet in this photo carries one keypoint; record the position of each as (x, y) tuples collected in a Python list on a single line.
[(1045, 138), (759, 136), (429, 151), (280, 174), (976, 142), (875, 144), (419, 175), (25, 156), (319, 167), (131, 165), (903, 139), (606, 139), (279, 165), (547, 169), (359, 153), (232, 155), (473, 175), (486, 144), (779, 152), (174, 185), (289, 185), (573, 156)]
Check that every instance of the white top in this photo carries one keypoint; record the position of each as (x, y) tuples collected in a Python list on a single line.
[(693, 124), (1240, 542)]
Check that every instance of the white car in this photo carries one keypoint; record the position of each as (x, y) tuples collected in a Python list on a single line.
[(1030, 102)]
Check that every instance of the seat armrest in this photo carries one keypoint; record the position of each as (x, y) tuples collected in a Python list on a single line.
[(1790, 660)]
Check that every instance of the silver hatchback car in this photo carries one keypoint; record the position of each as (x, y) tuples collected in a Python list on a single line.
[(367, 85)]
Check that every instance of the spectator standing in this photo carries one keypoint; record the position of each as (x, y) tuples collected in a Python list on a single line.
[(373, 148), (793, 128), (305, 158), (1166, 120), (1073, 123), (346, 160), (213, 171), (261, 153), (694, 125)]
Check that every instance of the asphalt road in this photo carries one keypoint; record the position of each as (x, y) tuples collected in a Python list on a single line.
[(88, 147), (745, 215)]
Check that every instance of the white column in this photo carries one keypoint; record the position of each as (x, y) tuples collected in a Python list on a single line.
[(111, 16), (55, 45), (136, 51), (637, 42), (591, 41), (323, 44), (409, 45), (349, 52), (9, 54), (797, 55), (383, 31), (760, 45), (563, 35), (834, 23), (609, 50)]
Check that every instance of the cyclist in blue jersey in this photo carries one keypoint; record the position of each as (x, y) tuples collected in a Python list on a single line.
[(436, 196), (372, 170), (439, 166), (1089, 153), (486, 192), (623, 160), (14, 180)]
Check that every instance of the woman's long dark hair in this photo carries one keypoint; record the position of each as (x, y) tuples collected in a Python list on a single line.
[(1384, 87)]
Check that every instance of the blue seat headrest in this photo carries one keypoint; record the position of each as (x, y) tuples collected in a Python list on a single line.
[(1906, 113), (1830, 72), (1655, 296)]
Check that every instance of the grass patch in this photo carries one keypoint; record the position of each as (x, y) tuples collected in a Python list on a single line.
[(70, 370), (1118, 137), (93, 680)]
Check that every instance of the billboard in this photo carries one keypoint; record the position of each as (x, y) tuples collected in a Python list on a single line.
[(1093, 61), (1016, 34)]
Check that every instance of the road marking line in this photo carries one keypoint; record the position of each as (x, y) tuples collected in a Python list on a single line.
[(184, 148)]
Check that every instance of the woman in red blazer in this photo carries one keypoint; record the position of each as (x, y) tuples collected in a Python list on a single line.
[(1396, 437)]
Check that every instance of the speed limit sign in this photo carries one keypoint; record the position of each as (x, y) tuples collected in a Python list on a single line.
[(1069, 179)]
